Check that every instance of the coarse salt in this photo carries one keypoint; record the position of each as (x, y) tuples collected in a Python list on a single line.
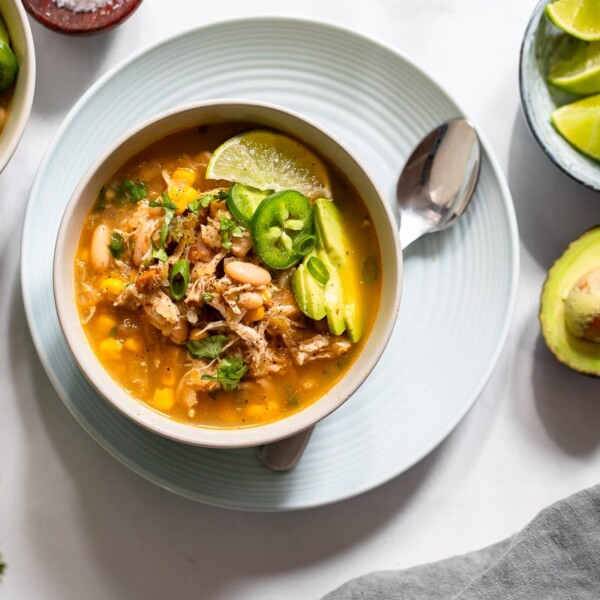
[(82, 5)]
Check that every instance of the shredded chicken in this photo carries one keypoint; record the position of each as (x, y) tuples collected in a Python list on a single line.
[(270, 335), (319, 346)]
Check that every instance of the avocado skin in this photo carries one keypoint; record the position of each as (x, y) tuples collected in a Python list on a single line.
[(581, 257)]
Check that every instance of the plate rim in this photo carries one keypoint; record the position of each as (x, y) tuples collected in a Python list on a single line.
[(484, 376)]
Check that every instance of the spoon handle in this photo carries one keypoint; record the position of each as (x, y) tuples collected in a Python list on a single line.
[(284, 454), (412, 227)]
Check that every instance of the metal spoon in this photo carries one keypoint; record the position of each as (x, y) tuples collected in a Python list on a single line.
[(434, 189)]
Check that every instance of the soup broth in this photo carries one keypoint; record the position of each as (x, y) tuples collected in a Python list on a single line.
[(226, 353)]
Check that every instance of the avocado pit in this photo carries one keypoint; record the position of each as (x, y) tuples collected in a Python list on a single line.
[(582, 308)]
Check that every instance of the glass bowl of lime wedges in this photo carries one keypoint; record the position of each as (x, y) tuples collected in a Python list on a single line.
[(560, 85)]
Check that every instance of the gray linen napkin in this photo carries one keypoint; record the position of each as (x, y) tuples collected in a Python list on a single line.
[(556, 557)]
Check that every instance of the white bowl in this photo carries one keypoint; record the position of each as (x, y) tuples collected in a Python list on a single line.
[(21, 39), (138, 139)]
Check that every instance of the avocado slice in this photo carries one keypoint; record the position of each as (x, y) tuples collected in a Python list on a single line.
[(309, 293), (334, 297), (354, 327), (570, 305), (316, 300), (330, 232)]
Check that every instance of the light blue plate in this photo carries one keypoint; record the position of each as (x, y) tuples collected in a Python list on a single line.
[(459, 286), (539, 98)]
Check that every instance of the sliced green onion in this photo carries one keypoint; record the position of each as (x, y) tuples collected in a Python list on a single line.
[(316, 267), (305, 243), (180, 278), (117, 244)]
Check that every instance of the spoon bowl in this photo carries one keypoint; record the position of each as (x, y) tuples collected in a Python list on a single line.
[(435, 187), (438, 180)]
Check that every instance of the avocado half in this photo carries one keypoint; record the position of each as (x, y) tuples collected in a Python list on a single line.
[(570, 305)]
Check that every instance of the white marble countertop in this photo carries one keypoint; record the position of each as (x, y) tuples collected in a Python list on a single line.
[(74, 523)]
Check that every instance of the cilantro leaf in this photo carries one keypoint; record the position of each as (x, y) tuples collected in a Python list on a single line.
[(160, 254), (229, 229), (123, 192), (229, 372), (202, 202), (166, 203), (207, 297), (209, 347), (158, 250), (205, 200), (134, 191)]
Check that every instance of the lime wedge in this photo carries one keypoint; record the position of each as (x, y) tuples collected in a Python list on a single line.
[(269, 161), (578, 71), (579, 124), (580, 18)]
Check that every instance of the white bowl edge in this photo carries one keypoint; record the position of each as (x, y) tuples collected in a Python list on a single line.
[(140, 137)]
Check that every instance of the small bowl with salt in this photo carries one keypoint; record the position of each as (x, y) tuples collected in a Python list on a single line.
[(81, 17)]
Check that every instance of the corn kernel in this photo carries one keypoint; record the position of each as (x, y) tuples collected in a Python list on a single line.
[(256, 314), (84, 254), (182, 196), (168, 376), (273, 405), (110, 349), (255, 410), (112, 287), (164, 399), (186, 175), (105, 323), (134, 344)]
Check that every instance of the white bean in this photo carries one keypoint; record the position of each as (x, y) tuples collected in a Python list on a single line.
[(99, 252), (246, 272), (179, 332), (250, 300)]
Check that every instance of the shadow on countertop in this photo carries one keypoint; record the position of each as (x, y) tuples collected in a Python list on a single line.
[(552, 209), (567, 403)]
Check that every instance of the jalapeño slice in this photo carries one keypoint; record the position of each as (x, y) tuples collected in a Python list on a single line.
[(243, 200), (283, 229)]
